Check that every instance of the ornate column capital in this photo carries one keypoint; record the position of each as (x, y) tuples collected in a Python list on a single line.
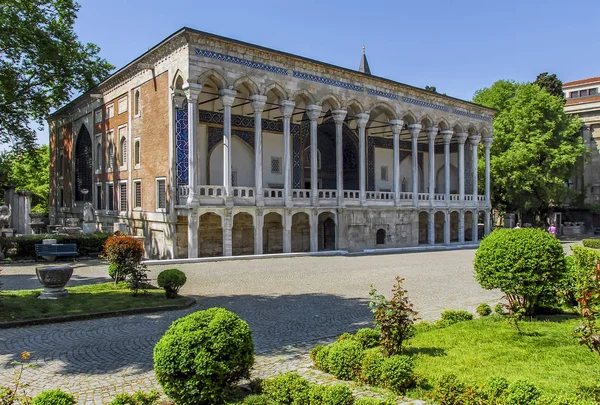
[(396, 126), (178, 98), (192, 91), (432, 133), (487, 142), (287, 108), (339, 116), (447, 135), (258, 103), (313, 111), (227, 97), (362, 119), (462, 137), (414, 130), (475, 139)]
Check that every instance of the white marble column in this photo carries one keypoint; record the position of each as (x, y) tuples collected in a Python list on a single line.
[(361, 121), (431, 227), (313, 112), (203, 154), (314, 230), (461, 226), (447, 227), (338, 118), (227, 98), (414, 130), (474, 143), (487, 224), (287, 231), (461, 138), (487, 143), (258, 104), (431, 134), (475, 227), (287, 108), (447, 136), (192, 92), (396, 128), (259, 221), (227, 233), (193, 223)]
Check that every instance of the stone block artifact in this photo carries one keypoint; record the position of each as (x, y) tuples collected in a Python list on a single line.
[(54, 279), (5, 213)]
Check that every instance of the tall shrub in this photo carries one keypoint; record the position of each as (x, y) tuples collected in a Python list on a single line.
[(126, 254), (526, 264), (587, 293)]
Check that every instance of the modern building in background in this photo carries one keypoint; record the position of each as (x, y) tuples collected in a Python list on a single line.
[(210, 146)]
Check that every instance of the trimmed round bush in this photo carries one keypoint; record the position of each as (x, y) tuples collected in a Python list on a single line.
[(53, 397), (451, 317), (521, 392), (373, 401), (499, 309), (202, 355), (496, 387), (171, 280), (337, 394), (258, 400), (137, 398), (526, 264), (287, 389), (371, 366), (319, 355), (368, 337), (397, 373), (483, 309), (344, 359), (591, 243)]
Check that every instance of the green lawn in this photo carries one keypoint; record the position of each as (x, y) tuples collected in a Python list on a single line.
[(84, 299), (547, 353)]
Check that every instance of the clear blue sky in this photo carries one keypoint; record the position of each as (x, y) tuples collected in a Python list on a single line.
[(458, 46)]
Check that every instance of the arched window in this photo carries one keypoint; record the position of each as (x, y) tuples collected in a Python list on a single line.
[(123, 155), (381, 237), (110, 157), (83, 166), (307, 158), (98, 156), (136, 103), (136, 153)]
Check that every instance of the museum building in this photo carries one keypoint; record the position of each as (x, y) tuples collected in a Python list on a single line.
[(210, 146)]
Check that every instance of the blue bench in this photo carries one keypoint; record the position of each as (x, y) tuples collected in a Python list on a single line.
[(57, 249)]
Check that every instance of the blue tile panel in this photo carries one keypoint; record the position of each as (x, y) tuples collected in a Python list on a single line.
[(425, 104), (471, 115), (181, 136), (383, 94), (325, 80), (240, 61)]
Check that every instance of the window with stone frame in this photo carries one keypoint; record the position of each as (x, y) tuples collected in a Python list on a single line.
[(384, 173), (136, 103), (123, 196), (137, 194), (275, 165), (161, 194), (98, 153), (123, 147), (98, 116), (99, 196), (110, 111), (136, 153), (110, 196), (593, 92), (574, 94), (122, 106), (583, 93)]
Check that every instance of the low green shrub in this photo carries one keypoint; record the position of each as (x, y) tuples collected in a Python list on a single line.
[(344, 359), (373, 401), (287, 389), (171, 280), (521, 392), (371, 366), (337, 394), (495, 388), (397, 373), (202, 355), (591, 243), (448, 390), (23, 247), (115, 273), (451, 317), (483, 309), (259, 400), (368, 337), (54, 397), (319, 355), (137, 398), (499, 309)]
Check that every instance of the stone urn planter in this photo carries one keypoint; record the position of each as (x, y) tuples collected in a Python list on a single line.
[(54, 279)]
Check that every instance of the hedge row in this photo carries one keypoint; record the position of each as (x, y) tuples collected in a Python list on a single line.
[(591, 243), (23, 247)]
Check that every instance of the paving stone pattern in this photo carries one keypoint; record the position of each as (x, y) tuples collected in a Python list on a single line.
[(291, 305)]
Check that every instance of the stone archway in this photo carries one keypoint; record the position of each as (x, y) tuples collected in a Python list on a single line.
[(83, 166), (210, 235), (454, 226), (242, 234), (380, 237), (468, 226), (423, 224), (440, 222), (272, 233), (326, 231), (300, 232)]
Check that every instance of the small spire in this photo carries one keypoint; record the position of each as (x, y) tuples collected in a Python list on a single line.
[(364, 65)]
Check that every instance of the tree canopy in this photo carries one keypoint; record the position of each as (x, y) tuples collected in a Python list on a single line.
[(551, 83), (41, 64), (535, 150), (28, 170)]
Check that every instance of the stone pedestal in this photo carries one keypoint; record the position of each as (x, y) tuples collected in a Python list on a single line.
[(88, 228), (54, 279), (121, 227), (7, 232)]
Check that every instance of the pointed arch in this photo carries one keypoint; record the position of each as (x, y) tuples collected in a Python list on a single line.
[(443, 124), (484, 131), (247, 83), (354, 106), (387, 109), (427, 121), (333, 101), (472, 129), (276, 89), (458, 127), (177, 80), (409, 118), (213, 77), (83, 165), (305, 96)]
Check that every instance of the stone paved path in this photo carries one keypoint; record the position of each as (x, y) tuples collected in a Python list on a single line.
[(290, 304)]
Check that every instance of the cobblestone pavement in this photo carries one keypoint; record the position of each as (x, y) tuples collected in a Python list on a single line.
[(289, 303)]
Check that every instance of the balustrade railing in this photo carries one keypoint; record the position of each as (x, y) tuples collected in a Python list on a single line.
[(211, 191), (439, 197), (243, 192), (454, 197), (379, 195), (423, 196), (327, 194), (351, 194), (481, 198), (405, 196), (300, 193), (273, 192), (182, 193), (468, 197)]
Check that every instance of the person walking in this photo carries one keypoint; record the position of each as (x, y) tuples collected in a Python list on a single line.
[(552, 229)]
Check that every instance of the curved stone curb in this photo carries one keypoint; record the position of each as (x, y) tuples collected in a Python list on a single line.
[(80, 317)]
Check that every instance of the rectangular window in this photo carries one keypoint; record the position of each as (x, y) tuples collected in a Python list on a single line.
[(275, 165), (137, 189), (98, 196), (593, 92), (110, 197), (110, 111), (97, 116), (583, 93), (136, 153), (123, 196), (384, 173), (123, 147), (574, 94), (62, 197), (122, 105), (234, 178), (161, 194)]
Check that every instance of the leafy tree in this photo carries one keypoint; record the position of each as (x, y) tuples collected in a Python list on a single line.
[(432, 89), (28, 170), (551, 83), (536, 147), (41, 64)]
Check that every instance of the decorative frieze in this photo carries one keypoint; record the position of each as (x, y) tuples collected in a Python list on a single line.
[(240, 61)]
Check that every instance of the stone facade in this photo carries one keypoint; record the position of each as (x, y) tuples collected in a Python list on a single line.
[(209, 146)]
